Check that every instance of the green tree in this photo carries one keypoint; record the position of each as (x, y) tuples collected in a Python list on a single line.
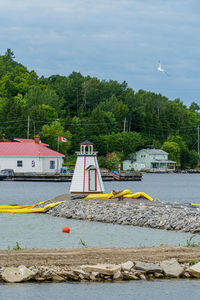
[(40, 115), (13, 117), (77, 131), (184, 151), (49, 134), (193, 159), (194, 107), (112, 161), (173, 149)]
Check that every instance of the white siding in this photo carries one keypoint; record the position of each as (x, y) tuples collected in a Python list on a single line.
[(30, 164), (77, 180), (80, 180), (127, 165)]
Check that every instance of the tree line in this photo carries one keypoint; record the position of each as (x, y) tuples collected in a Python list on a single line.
[(110, 114)]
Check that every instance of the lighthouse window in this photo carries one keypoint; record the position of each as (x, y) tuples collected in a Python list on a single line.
[(52, 164)]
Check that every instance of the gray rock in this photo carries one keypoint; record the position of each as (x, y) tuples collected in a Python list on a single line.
[(19, 274), (106, 269), (127, 266), (161, 215), (195, 270), (57, 278), (117, 275), (172, 268), (147, 267), (130, 276), (70, 275)]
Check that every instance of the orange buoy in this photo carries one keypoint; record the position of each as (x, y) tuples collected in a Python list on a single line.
[(66, 229)]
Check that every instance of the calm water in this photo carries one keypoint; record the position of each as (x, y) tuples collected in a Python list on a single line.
[(131, 290), (180, 188), (43, 231)]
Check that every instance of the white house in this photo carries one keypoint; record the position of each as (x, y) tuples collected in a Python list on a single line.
[(87, 176), (26, 155)]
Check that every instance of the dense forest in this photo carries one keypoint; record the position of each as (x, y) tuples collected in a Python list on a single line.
[(110, 114)]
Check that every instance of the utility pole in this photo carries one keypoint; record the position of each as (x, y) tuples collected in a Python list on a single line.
[(198, 138), (33, 128), (125, 124), (28, 127)]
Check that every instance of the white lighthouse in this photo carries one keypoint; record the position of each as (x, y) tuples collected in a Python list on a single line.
[(87, 176)]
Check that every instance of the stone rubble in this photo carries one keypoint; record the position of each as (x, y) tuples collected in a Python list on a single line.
[(137, 270), (136, 212)]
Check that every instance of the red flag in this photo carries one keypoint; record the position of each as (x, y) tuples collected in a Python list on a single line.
[(62, 139)]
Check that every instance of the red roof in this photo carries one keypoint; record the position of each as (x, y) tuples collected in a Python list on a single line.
[(26, 149), (29, 141)]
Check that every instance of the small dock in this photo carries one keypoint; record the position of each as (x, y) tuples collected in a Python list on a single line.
[(124, 176)]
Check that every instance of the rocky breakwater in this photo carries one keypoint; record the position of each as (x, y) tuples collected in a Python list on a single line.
[(129, 270), (136, 212)]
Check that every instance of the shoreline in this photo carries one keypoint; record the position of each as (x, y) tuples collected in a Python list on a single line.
[(115, 263), (136, 212), (99, 264), (73, 257)]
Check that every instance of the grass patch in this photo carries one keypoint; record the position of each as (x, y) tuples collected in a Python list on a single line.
[(191, 243)]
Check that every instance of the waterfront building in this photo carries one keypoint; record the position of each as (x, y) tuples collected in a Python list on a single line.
[(151, 160), (27, 155)]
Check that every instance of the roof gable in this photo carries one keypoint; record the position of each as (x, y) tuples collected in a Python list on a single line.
[(154, 151), (26, 149), (86, 142), (28, 141)]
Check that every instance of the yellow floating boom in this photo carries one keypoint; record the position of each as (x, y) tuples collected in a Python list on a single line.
[(195, 204), (123, 194), (26, 208)]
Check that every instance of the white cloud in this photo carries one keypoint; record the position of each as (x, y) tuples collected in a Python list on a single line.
[(119, 39)]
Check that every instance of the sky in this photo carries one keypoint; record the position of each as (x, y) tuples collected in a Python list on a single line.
[(119, 40)]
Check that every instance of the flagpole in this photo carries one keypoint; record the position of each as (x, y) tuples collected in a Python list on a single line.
[(58, 145)]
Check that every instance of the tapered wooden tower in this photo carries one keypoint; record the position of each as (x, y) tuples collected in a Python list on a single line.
[(87, 176)]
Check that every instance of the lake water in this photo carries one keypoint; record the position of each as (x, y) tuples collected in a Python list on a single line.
[(182, 188), (43, 231), (126, 290)]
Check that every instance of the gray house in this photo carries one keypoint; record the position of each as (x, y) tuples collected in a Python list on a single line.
[(150, 159)]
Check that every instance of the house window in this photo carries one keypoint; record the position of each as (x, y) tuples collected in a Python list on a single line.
[(52, 164), (19, 163)]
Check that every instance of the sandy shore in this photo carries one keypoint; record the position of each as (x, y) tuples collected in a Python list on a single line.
[(76, 257)]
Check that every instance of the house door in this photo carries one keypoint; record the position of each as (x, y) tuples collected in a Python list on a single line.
[(92, 180)]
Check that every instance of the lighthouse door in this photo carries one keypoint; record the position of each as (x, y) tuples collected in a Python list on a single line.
[(92, 180)]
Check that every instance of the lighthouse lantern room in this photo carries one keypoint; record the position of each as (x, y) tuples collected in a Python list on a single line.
[(87, 176)]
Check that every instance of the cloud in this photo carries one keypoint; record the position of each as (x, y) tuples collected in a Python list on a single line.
[(113, 39)]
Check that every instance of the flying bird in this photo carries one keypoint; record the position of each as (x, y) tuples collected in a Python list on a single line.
[(160, 69)]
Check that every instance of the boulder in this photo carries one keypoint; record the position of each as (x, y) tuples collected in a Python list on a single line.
[(117, 275), (57, 278), (147, 267), (158, 275), (130, 276), (106, 269), (195, 270), (69, 275), (172, 268), (19, 274), (127, 266), (94, 276)]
